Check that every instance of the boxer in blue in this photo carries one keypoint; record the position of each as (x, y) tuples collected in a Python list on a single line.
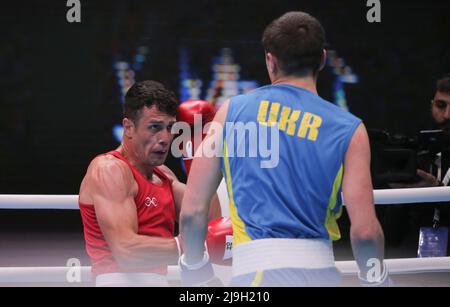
[(284, 213)]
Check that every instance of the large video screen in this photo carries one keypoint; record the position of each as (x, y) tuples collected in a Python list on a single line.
[(63, 83)]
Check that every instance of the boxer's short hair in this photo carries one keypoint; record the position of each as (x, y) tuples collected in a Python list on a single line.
[(149, 93), (297, 39), (443, 85)]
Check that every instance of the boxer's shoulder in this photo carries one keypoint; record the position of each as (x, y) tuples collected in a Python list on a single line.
[(110, 165), (104, 175), (107, 171), (168, 173)]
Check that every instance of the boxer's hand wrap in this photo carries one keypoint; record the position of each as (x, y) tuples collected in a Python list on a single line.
[(218, 242), (179, 246), (196, 274)]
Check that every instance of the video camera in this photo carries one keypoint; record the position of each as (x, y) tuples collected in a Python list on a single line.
[(396, 158)]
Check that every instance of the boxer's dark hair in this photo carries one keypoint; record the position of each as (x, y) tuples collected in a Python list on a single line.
[(297, 40), (443, 85), (149, 93)]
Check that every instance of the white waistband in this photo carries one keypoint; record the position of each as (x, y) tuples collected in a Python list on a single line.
[(131, 280), (269, 254)]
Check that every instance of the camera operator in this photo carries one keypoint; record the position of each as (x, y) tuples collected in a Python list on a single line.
[(427, 215), (440, 112), (440, 105)]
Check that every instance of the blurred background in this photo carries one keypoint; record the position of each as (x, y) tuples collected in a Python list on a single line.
[(62, 87)]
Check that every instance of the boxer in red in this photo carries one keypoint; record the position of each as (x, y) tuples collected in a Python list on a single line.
[(129, 201)]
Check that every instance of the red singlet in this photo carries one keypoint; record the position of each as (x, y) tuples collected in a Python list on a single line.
[(156, 217)]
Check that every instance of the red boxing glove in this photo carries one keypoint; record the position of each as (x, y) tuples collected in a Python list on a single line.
[(186, 113), (219, 240), (188, 108)]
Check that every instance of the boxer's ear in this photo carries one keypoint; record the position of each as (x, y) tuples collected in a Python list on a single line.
[(128, 127), (272, 65), (323, 60)]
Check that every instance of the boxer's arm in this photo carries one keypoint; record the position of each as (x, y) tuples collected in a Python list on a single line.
[(113, 194), (203, 182), (179, 188), (365, 233)]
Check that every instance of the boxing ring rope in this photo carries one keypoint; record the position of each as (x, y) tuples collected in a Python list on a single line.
[(61, 202), (404, 266), (381, 197)]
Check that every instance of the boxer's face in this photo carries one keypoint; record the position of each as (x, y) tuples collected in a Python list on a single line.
[(440, 108), (151, 136)]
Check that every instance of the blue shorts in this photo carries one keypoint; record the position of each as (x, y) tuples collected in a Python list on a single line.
[(327, 277)]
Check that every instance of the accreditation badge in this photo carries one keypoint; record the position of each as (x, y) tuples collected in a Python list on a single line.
[(433, 242)]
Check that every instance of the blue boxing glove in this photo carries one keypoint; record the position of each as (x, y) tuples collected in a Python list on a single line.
[(382, 280), (197, 274)]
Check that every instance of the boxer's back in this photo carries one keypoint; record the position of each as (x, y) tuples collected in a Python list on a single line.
[(299, 197)]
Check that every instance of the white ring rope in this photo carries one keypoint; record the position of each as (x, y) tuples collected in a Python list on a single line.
[(68, 202), (409, 196), (403, 266), (347, 268), (381, 197)]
